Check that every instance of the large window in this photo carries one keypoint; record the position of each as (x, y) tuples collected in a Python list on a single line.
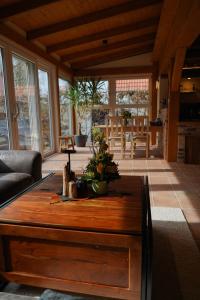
[(103, 90), (135, 94), (115, 97), (96, 92), (26, 109), (45, 110), (4, 132), (65, 108), (132, 91), (27, 122)]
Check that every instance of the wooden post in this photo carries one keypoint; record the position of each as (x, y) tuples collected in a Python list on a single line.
[(154, 101), (58, 98), (74, 121), (173, 116), (174, 103)]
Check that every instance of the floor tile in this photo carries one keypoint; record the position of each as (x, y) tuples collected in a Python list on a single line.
[(165, 198), (192, 215)]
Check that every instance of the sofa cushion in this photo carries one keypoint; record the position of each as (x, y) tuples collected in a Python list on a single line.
[(13, 183)]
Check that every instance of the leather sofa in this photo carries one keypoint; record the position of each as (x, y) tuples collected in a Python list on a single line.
[(18, 170)]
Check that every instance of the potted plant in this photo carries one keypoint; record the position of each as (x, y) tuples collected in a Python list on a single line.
[(126, 115), (101, 168), (83, 95)]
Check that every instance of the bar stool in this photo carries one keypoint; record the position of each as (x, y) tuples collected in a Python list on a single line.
[(65, 143)]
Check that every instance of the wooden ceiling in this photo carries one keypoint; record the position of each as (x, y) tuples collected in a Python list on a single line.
[(79, 34), (83, 33)]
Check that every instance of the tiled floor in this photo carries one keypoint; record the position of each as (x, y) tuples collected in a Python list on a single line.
[(171, 184)]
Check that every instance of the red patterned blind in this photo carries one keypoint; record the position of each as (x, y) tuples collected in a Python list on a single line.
[(132, 85)]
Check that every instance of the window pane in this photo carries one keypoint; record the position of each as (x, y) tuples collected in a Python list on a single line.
[(45, 110), (104, 92), (94, 90), (99, 116), (135, 111), (24, 83), (120, 111), (143, 111), (65, 108), (95, 93), (4, 133), (132, 91)]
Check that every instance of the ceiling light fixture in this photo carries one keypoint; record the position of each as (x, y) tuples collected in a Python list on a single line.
[(104, 42)]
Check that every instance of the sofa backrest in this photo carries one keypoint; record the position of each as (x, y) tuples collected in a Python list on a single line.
[(21, 161)]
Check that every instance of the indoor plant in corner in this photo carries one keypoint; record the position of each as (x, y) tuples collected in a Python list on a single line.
[(80, 103), (83, 95), (101, 168)]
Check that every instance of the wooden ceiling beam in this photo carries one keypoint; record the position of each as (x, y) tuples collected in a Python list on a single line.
[(189, 29), (19, 39), (22, 6), (90, 17), (167, 16), (114, 71), (112, 56), (107, 47), (183, 32), (103, 34)]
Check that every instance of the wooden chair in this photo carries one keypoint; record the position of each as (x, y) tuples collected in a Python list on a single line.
[(66, 142), (140, 132), (115, 133)]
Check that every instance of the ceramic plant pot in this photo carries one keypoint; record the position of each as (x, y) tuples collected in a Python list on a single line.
[(80, 140), (100, 187)]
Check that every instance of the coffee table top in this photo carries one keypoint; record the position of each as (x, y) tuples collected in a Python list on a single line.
[(118, 212)]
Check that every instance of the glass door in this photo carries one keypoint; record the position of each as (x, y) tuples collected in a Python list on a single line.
[(65, 108), (45, 111), (4, 132), (27, 122)]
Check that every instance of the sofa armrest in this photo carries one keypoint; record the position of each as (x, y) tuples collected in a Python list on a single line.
[(21, 161)]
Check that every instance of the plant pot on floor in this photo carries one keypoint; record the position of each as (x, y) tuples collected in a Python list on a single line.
[(80, 140)]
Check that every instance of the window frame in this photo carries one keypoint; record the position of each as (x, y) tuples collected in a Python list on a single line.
[(112, 104), (45, 68), (71, 122), (6, 94), (11, 48)]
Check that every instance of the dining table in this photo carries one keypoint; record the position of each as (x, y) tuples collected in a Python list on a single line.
[(152, 129)]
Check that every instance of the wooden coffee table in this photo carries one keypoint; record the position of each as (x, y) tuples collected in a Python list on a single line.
[(97, 246)]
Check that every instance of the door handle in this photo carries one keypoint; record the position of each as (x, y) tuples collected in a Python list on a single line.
[(16, 113)]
